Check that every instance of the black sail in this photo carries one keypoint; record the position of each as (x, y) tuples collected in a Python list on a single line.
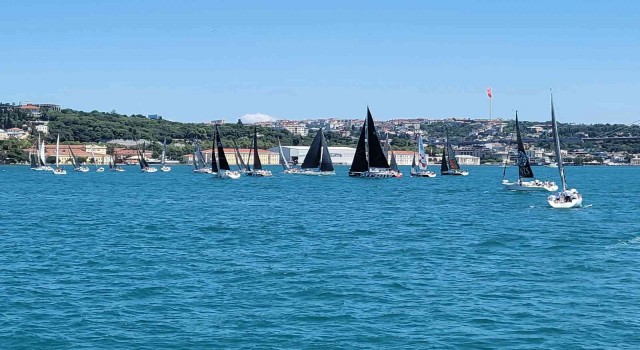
[(325, 163), (241, 164), (360, 163), (451, 154), (443, 164), (257, 165), (524, 167), (214, 164), (222, 158), (394, 163), (376, 154), (312, 159), (74, 160)]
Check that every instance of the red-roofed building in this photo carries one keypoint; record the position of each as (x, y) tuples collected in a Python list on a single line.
[(266, 157)]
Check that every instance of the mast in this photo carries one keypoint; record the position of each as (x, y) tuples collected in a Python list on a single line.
[(95, 162), (443, 164), (422, 160), (73, 158), (556, 138), (451, 154), (413, 162)]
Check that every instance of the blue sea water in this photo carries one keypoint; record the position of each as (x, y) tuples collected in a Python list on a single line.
[(183, 261)]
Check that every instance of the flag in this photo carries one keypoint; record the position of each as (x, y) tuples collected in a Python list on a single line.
[(489, 93)]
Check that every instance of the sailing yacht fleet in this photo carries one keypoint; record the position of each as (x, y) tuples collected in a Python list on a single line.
[(370, 161)]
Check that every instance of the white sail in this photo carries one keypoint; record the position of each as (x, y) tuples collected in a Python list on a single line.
[(422, 156), (556, 138), (57, 149), (42, 153), (283, 160)]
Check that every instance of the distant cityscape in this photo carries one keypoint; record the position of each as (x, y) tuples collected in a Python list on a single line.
[(486, 141)]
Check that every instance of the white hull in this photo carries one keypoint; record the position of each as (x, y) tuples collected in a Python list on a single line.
[(59, 171), (149, 170), (455, 173), (423, 174), (227, 174), (259, 173), (202, 171), (120, 170), (43, 168), (100, 170), (309, 172), (565, 201), (381, 174), (529, 186), (165, 169)]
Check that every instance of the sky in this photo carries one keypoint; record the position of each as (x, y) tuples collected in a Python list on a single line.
[(194, 61)]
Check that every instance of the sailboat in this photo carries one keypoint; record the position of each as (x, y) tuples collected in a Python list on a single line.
[(222, 170), (144, 166), (419, 169), (113, 166), (58, 170), (199, 164), (163, 167), (76, 165), (288, 169), (369, 160), (394, 164), (95, 162), (317, 161), (450, 167), (567, 198), (40, 157), (257, 164), (525, 171)]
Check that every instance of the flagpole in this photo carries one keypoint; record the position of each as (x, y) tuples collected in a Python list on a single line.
[(490, 107)]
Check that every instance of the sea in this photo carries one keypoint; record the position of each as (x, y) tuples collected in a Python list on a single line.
[(184, 261)]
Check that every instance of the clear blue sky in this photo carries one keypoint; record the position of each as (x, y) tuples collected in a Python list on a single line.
[(203, 60)]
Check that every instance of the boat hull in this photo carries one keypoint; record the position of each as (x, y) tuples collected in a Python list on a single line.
[(313, 172), (202, 171), (100, 170), (227, 174), (563, 201), (59, 171), (374, 174), (259, 173), (423, 174), (529, 186), (81, 169), (149, 170), (165, 169), (454, 173)]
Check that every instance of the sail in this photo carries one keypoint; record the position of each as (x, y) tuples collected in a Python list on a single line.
[(326, 164), (524, 167), (32, 160), (312, 159), (360, 163), (140, 160), (394, 164), (451, 154), (422, 160), (222, 158), (556, 139), (413, 162), (257, 165), (239, 159), (95, 161), (164, 150), (376, 155), (283, 160), (74, 160), (214, 164), (43, 158), (443, 164), (58, 149), (195, 157)]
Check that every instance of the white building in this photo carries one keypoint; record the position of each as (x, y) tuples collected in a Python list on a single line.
[(467, 160), (296, 154), (3, 135), (635, 161), (295, 128)]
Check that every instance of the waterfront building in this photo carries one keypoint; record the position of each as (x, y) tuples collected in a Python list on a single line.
[(3, 135), (296, 154), (267, 157), (467, 160), (635, 161)]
